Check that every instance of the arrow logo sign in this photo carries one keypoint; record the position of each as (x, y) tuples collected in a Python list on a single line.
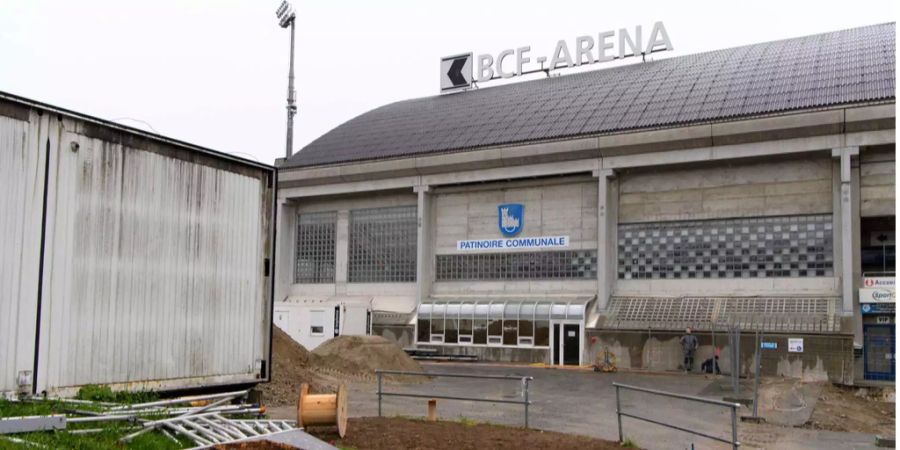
[(456, 72)]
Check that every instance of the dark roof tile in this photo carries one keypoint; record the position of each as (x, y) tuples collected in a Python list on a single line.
[(841, 67)]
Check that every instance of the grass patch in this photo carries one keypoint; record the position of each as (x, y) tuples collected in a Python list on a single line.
[(29, 408), (466, 421), (628, 443), (108, 436), (103, 393), (108, 439)]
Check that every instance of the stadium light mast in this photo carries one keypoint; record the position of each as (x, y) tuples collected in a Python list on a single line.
[(286, 16)]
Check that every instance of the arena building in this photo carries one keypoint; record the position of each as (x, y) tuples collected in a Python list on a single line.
[(749, 188)]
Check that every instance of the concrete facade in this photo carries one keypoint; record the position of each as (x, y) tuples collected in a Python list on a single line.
[(836, 162), (726, 190)]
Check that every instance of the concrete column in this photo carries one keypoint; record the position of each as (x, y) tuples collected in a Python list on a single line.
[(341, 253), (606, 236), (285, 248), (423, 244), (856, 257), (846, 232)]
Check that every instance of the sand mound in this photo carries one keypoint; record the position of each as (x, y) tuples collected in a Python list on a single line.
[(361, 355), (290, 368), (339, 360)]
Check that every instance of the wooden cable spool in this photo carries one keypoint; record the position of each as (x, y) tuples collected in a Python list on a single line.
[(323, 409)]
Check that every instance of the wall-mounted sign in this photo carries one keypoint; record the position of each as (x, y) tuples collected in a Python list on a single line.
[(795, 345), (878, 308), (514, 243), (877, 295), (880, 282), (768, 345), (510, 218), (456, 71)]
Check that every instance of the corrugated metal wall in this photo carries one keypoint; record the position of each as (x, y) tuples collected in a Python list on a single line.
[(21, 172), (153, 264)]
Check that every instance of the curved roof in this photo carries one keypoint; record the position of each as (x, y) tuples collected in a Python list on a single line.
[(841, 67)]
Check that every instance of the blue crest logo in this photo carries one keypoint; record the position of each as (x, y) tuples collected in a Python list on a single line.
[(510, 218)]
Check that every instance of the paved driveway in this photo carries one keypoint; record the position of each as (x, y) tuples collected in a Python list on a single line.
[(583, 402), (570, 401)]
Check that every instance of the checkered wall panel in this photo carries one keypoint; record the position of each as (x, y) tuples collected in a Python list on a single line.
[(551, 265), (788, 246)]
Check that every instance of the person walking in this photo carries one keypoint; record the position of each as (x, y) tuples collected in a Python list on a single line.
[(689, 346)]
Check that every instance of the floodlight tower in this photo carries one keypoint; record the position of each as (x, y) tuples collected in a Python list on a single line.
[(286, 17)]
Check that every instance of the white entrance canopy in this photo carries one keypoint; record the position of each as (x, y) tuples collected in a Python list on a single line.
[(526, 308)]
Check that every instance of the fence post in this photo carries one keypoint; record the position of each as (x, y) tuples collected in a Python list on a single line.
[(756, 374), (734, 434), (525, 380), (378, 375), (619, 414)]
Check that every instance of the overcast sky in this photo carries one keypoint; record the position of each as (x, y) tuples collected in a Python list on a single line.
[(214, 72)]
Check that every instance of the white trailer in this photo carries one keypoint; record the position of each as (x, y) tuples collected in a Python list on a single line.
[(127, 258), (313, 320)]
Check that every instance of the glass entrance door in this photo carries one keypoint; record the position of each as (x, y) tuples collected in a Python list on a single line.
[(879, 352)]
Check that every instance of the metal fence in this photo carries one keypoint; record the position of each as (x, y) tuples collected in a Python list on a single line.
[(733, 406), (524, 380)]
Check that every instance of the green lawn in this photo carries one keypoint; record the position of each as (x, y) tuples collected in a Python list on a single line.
[(108, 438)]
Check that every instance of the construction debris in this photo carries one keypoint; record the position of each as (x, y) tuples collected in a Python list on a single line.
[(323, 409), (208, 429), (200, 418), (28, 424)]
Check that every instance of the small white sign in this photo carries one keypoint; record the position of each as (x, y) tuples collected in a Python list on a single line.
[(795, 345), (877, 295)]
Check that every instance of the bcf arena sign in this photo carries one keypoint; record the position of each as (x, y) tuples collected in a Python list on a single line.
[(456, 71)]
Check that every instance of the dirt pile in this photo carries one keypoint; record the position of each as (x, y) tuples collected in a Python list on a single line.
[(359, 356), (290, 368), (382, 433), (852, 409), (339, 360)]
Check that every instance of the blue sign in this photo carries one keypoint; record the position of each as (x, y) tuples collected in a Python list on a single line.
[(878, 308), (769, 345), (510, 218)]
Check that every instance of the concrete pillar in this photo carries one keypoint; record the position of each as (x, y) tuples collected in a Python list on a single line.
[(607, 221), (846, 229), (423, 244), (341, 252), (285, 248)]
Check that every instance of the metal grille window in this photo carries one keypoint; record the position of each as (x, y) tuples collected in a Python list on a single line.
[(315, 248), (764, 247), (383, 245), (570, 264)]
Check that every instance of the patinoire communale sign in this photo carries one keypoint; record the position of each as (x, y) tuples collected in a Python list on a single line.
[(456, 70), (510, 220)]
